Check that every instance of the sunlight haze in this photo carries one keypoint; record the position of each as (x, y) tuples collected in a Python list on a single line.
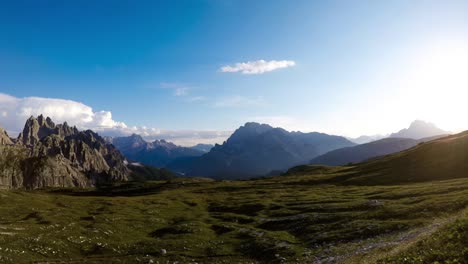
[(174, 71)]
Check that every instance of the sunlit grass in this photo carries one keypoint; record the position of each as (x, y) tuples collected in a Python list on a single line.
[(268, 220)]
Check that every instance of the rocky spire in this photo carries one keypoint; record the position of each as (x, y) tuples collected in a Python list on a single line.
[(38, 128), (57, 155), (4, 138)]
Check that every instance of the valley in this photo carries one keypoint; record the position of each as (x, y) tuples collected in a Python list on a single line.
[(312, 214), (234, 132), (276, 220)]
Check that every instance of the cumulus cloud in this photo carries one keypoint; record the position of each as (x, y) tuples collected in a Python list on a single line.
[(257, 67), (239, 101), (179, 137), (14, 112)]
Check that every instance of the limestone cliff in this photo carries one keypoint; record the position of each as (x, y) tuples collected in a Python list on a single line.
[(50, 155)]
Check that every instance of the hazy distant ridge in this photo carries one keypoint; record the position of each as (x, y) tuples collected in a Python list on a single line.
[(257, 149)]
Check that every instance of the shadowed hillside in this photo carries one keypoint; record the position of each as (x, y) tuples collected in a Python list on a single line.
[(366, 151), (440, 159)]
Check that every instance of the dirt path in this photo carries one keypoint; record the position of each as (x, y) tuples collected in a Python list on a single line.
[(400, 243)]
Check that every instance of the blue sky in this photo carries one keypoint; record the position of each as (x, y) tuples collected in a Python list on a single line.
[(158, 63)]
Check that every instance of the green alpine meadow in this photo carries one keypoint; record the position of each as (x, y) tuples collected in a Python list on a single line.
[(234, 132), (380, 211)]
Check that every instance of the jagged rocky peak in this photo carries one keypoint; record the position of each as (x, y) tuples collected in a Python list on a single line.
[(38, 128), (257, 127), (4, 138), (248, 130), (164, 143), (419, 129), (137, 139), (157, 153), (133, 141), (57, 155)]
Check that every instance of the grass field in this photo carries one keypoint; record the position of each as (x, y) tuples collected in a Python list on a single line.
[(404, 208), (273, 220)]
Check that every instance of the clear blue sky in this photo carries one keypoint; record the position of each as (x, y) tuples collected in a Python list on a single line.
[(157, 63)]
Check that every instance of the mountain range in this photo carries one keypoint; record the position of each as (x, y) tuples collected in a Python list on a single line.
[(366, 151), (44, 150), (203, 147), (418, 132), (258, 149), (366, 139), (439, 159), (419, 129), (46, 154), (157, 153), (50, 155)]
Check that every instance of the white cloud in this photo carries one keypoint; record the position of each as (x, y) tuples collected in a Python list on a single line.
[(179, 89), (15, 111), (257, 67), (239, 101), (196, 99), (179, 137)]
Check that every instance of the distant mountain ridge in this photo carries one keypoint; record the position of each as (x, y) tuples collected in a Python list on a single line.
[(367, 151), (436, 160), (203, 147), (419, 129), (257, 149), (157, 153), (366, 139)]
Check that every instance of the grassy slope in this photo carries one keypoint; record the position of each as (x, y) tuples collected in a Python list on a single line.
[(441, 159), (335, 214), (263, 220), (447, 245)]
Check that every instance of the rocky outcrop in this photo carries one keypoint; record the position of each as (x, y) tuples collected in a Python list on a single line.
[(38, 128), (12, 159), (50, 155), (4, 138)]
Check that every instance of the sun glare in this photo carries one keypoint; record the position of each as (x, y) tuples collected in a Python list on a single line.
[(438, 85)]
